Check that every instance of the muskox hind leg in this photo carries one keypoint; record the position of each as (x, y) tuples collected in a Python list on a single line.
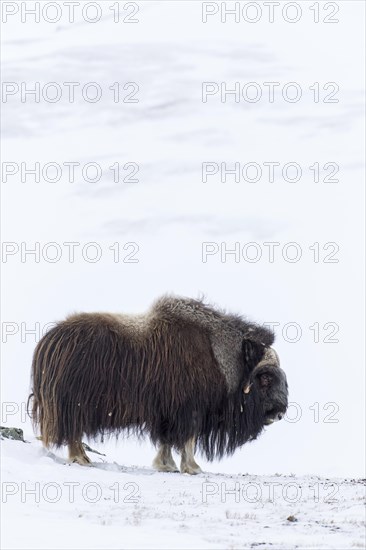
[(77, 454), (164, 462), (188, 465)]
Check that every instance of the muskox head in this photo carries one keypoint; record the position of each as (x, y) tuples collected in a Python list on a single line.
[(268, 380)]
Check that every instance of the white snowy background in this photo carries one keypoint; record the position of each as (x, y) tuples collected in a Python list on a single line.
[(169, 213)]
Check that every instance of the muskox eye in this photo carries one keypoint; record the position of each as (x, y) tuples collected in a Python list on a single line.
[(265, 380)]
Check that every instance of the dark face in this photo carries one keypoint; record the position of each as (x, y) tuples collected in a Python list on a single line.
[(271, 384)]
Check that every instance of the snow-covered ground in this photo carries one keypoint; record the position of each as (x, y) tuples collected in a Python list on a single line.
[(52, 504), (167, 221)]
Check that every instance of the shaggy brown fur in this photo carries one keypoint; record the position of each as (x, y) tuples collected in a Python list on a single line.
[(158, 374)]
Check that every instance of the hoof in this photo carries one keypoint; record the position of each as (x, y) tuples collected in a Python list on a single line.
[(191, 470), (82, 461), (161, 467)]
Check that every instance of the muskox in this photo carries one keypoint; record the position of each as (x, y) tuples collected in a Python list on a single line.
[(185, 374)]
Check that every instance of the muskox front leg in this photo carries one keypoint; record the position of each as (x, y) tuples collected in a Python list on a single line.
[(77, 454), (164, 462), (188, 464)]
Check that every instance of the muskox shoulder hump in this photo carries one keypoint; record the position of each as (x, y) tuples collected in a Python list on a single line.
[(260, 334)]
